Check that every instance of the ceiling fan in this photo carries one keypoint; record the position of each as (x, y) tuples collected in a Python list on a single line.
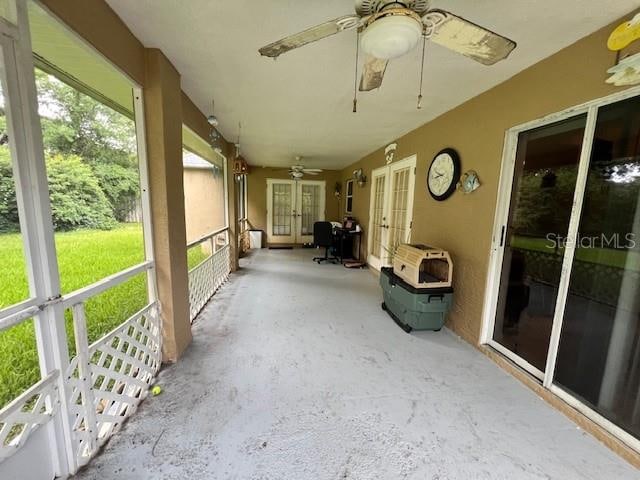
[(389, 29), (299, 171)]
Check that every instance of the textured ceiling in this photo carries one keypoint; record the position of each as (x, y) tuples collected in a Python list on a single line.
[(301, 104)]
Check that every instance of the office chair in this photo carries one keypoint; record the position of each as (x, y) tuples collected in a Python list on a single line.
[(323, 237)]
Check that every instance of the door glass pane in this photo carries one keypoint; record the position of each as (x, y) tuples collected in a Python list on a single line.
[(310, 205), (14, 286), (599, 352), (349, 206), (281, 221), (378, 215), (349, 197), (543, 189), (398, 215)]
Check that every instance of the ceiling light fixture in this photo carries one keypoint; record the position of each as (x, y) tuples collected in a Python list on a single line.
[(212, 119), (391, 36)]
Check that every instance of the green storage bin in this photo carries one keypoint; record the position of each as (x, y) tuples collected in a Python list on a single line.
[(414, 308)]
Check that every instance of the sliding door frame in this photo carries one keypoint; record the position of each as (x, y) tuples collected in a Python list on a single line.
[(496, 257)]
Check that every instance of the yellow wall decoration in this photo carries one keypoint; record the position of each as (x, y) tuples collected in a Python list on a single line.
[(624, 34)]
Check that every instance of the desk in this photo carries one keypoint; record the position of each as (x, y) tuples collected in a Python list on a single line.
[(344, 242)]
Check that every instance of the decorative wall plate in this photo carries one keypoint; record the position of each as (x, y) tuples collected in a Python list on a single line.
[(469, 182)]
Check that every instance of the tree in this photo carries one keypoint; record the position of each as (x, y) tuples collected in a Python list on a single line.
[(121, 185), (75, 124)]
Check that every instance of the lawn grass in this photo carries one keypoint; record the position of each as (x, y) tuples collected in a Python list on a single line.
[(84, 257), (196, 255), (626, 259)]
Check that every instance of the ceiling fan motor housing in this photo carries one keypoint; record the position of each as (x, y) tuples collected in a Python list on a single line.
[(370, 7), (392, 33)]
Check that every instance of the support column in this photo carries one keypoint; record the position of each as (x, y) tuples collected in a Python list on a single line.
[(232, 187), (163, 116)]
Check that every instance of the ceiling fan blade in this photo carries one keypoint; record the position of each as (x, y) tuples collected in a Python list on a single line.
[(312, 34), (312, 170), (373, 73), (311, 173), (467, 38)]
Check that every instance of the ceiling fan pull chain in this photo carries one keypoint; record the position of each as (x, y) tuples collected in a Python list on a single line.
[(355, 82), (424, 47)]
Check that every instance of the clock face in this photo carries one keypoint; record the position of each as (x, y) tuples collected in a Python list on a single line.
[(443, 175)]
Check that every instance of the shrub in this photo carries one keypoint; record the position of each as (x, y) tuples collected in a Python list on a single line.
[(76, 197), (77, 201), (121, 185), (8, 206)]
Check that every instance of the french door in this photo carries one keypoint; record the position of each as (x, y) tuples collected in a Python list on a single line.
[(391, 210), (293, 206), (563, 296)]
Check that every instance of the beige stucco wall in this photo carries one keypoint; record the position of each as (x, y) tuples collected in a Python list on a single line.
[(203, 202), (257, 194), (476, 129)]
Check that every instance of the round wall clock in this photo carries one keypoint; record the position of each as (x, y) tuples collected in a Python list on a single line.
[(443, 174)]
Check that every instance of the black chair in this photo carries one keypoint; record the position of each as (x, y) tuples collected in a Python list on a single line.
[(323, 237)]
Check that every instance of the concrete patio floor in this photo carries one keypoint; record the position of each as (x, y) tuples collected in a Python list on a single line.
[(296, 373)]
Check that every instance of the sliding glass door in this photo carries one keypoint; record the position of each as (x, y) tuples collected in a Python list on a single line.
[(599, 349), (544, 184), (564, 288)]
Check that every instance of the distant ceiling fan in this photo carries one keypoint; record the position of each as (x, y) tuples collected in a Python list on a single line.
[(390, 29), (299, 171)]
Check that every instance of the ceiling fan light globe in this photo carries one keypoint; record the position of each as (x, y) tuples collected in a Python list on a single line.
[(391, 37)]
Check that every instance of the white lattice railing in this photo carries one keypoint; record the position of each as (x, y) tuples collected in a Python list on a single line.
[(105, 381), (206, 277), (108, 379), (20, 418), (101, 386)]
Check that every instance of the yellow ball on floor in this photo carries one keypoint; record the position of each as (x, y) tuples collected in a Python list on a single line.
[(156, 390)]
